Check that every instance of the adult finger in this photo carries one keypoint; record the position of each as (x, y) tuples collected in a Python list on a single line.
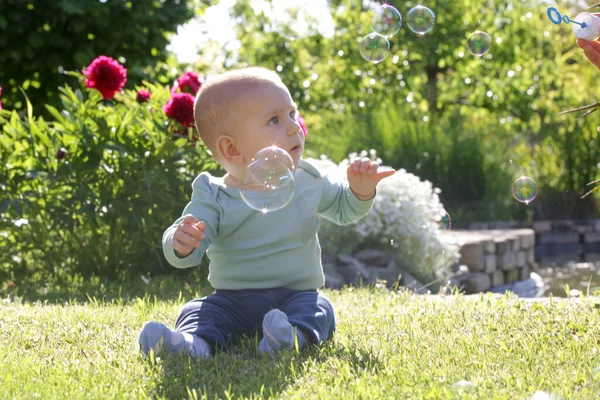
[(592, 54), (592, 43)]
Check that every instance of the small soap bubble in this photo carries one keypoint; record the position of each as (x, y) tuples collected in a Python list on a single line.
[(420, 20), (269, 181), (292, 19), (436, 214), (374, 47), (478, 43), (386, 20), (525, 189)]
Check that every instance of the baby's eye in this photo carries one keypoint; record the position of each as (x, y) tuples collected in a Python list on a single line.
[(274, 120), (293, 114)]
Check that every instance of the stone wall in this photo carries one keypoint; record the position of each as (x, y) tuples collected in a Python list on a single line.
[(558, 241), (493, 258), (490, 260)]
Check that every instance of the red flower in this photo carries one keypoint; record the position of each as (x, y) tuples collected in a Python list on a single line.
[(106, 75), (189, 82), (302, 125), (143, 96), (180, 107)]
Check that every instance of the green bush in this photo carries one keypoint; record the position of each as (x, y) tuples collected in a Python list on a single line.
[(91, 191)]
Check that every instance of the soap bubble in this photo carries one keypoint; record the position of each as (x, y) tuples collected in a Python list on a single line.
[(292, 19), (436, 214), (478, 43), (374, 47), (269, 181), (524, 189), (386, 20), (420, 19)]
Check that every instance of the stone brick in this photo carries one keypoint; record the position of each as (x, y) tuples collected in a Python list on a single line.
[(511, 276), (521, 258), (526, 238), (497, 277), (471, 254), (563, 226), (591, 257), (542, 226), (530, 256), (591, 248), (478, 226), (524, 273), (591, 237), (490, 262), (507, 260), (511, 242), (597, 225), (478, 282), (489, 246), (559, 238), (584, 228)]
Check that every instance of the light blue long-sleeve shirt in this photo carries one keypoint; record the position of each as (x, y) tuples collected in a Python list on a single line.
[(251, 250)]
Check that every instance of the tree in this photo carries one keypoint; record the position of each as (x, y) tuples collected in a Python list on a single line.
[(41, 39)]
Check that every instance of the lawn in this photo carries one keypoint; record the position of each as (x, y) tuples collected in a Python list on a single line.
[(389, 345)]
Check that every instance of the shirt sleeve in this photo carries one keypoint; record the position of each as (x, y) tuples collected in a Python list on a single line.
[(339, 205), (203, 206)]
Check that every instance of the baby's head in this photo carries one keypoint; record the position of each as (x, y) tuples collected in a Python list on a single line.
[(240, 112)]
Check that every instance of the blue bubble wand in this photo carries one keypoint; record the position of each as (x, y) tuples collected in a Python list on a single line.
[(585, 25), (556, 18)]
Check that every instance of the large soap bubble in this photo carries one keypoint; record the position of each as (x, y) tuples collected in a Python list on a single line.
[(269, 181)]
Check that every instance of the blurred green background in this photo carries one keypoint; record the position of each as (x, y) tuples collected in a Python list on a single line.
[(470, 125)]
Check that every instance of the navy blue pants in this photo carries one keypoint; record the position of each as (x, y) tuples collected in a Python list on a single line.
[(229, 314)]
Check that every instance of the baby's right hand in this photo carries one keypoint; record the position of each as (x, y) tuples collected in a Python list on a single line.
[(188, 235)]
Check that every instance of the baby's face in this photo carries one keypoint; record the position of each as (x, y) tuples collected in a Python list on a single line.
[(267, 117)]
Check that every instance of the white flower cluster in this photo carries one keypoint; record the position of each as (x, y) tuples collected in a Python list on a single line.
[(405, 222)]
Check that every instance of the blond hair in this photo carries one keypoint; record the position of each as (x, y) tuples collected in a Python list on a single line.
[(219, 93)]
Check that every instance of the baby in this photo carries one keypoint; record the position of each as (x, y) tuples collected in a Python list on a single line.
[(265, 268)]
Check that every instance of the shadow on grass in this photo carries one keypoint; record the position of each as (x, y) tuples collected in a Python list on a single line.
[(84, 291), (243, 373)]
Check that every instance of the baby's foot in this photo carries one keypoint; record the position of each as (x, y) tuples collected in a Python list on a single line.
[(278, 334), (156, 336)]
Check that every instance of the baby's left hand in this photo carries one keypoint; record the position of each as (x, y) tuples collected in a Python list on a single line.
[(364, 175)]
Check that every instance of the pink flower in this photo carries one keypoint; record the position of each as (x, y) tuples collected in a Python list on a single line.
[(180, 107), (189, 82), (106, 75), (302, 125), (143, 96)]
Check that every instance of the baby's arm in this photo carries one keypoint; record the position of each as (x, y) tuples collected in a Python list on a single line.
[(186, 241), (344, 202)]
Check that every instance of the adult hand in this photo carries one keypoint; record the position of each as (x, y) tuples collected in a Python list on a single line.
[(363, 177), (188, 235), (591, 49)]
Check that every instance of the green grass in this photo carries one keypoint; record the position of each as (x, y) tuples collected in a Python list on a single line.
[(389, 345)]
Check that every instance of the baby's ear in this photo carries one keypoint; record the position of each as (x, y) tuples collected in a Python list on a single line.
[(228, 149)]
